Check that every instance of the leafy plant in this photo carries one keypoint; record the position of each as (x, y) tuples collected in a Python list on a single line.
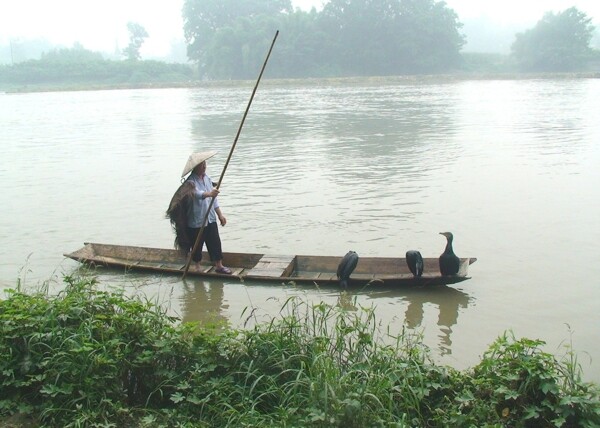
[(86, 357)]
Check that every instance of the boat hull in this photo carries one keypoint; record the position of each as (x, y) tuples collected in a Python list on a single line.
[(319, 270)]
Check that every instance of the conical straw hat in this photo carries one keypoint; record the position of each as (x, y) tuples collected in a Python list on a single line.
[(195, 159)]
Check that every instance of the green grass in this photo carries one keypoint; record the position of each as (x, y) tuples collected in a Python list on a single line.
[(86, 357)]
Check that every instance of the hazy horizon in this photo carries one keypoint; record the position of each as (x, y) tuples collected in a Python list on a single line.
[(102, 26)]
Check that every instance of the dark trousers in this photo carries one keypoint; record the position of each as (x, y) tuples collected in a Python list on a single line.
[(210, 235)]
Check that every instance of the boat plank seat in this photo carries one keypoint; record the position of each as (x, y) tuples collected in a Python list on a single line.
[(205, 268), (237, 271), (273, 266), (241, 272)]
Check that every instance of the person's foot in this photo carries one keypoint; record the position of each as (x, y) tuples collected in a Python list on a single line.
[(223, 270)]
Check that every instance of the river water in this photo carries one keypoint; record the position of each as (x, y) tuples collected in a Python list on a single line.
[(380, 166)]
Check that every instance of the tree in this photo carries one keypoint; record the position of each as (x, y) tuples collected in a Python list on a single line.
[(393, 36), (303, 48), (228, 38), (558, 42), (137, 34), (361, 32), (203, 20)]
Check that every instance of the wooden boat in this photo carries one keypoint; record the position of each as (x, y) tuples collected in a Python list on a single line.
[(319, 270)]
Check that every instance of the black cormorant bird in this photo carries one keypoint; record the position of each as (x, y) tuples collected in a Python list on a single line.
[(414, 260), (449, 262), (346, 267)]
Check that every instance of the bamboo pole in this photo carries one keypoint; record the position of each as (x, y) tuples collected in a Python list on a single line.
[(197, 242)]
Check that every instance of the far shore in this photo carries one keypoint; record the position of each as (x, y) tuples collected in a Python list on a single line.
[(312, 81)]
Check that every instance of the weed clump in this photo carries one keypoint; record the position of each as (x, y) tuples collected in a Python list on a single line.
[(87, 357)]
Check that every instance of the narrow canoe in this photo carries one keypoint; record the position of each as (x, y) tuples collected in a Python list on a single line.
[(266, 267)]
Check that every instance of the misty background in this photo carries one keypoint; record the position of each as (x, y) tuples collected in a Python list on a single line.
[(28, 28)]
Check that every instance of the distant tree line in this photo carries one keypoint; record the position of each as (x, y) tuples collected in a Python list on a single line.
[(77, 65), (228, 38)]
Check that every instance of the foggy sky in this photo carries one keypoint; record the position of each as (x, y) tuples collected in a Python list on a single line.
[(102, 25)]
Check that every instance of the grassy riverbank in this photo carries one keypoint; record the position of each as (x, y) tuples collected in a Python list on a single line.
[(87, 357), (332, 81)]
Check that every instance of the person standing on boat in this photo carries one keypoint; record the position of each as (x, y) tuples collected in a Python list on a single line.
[(188, 209)]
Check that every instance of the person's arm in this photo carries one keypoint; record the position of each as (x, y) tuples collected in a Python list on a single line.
[(212, 194), (222, 218)]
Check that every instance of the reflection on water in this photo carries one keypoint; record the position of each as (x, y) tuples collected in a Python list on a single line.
[(411, 303), (509, 166), (204, 301), (446, 302)]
